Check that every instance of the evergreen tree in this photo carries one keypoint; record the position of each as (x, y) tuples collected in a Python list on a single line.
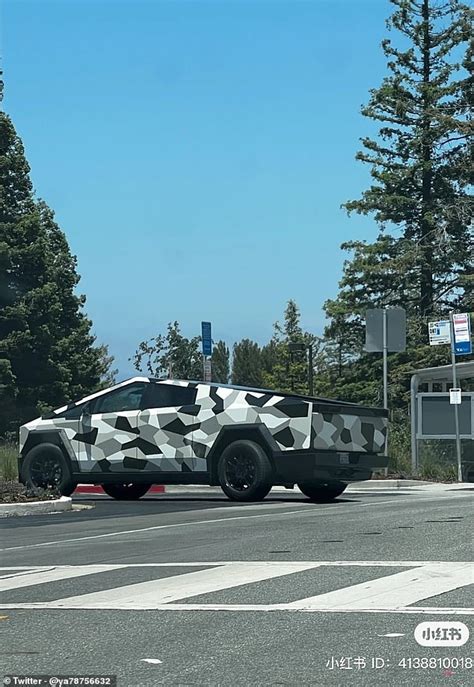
[(246, 364), (48, 355), (421, 159), (420, 162), (220, 363), (170, 356), (284, 369)]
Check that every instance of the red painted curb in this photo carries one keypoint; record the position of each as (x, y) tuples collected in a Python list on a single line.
[(97, 489)]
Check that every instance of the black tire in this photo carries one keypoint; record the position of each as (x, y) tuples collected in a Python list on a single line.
[(45, 466), (244, 471), (322, 491), (126, 492)]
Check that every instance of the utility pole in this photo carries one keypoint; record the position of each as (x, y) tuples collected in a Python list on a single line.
[(301, 348)]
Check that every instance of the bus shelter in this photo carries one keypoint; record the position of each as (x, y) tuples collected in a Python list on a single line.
[(432, 415)]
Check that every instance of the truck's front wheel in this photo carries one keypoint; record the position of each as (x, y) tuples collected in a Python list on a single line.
[(322, 491), (244, 471)]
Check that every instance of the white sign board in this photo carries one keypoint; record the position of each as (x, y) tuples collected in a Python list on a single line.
[(455, 396), (440, 332), (461, 328)]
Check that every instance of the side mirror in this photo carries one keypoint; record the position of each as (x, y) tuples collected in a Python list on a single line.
[(86, 410)]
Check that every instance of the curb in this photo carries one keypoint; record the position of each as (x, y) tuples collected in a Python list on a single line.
[(97, 489), (36, 507), (390, 483), (369, 485)]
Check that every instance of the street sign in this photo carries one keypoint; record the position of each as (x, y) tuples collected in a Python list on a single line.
[(455, 396), (395, 334), (439, 332), (206, 338), (207, 370), (462, 334)]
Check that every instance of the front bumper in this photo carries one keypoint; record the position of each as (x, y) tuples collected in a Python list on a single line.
[(300, 466)]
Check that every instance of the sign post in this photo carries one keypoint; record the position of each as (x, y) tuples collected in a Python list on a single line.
[(385, 331), (456, 405), (385, 364)]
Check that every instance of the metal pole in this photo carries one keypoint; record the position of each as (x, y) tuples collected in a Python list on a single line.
[(413, 422), (456, 410), (385, 373), (292, 377), (310, 370)]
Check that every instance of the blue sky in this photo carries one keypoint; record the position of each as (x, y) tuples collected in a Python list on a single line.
[(196, 153)]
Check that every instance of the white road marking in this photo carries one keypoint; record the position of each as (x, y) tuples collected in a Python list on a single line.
[(395, 591), (386, 594), (431, 610), (154, 661), (310, 509), (52, 574), (393, 634), (148, 595)]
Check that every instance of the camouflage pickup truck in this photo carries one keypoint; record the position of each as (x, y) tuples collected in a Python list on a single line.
[(145, 431)]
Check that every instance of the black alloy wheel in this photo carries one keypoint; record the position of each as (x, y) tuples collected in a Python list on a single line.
[(45, 467), (244, 471)]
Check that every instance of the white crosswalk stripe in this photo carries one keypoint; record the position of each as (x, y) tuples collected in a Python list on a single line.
[(388, 593), (29, 578)]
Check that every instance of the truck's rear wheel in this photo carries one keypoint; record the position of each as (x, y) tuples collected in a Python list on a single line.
[(322, 491), (244, 471), (126, 492)]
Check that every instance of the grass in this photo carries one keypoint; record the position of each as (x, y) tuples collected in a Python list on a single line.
[(11, 491), (9, 462)]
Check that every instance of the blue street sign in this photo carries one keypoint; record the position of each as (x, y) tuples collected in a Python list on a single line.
[(206, 338), (463, 348)]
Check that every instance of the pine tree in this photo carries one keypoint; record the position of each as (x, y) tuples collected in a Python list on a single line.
[(246, 364), (284, 369), (420, 162), (48, 355), (220, 363)]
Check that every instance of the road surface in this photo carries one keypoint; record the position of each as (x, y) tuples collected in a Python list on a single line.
[(196, 590)]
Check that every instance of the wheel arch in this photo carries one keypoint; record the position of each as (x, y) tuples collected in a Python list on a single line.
[(55, 437), (257, 433)]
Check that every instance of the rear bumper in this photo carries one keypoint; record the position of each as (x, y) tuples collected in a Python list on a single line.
[(299, 466)]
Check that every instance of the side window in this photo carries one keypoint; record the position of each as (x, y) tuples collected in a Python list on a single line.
[(167, 396), (128, 398), (73, 413)]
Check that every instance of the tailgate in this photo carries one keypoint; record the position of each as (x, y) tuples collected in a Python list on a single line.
[(349, 428)]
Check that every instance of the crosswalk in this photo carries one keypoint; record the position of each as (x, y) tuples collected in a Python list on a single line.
[(392, 587)]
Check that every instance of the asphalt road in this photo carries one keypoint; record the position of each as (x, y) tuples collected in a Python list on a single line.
[(222, 594)]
